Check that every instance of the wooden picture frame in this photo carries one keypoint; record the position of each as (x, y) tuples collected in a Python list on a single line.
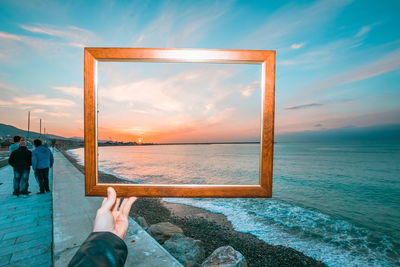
[(265, 58)]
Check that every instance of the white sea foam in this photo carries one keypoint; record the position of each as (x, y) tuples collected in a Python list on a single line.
[(332, 241)]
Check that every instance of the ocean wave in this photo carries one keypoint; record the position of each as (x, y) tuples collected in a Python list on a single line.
[(333, 241)]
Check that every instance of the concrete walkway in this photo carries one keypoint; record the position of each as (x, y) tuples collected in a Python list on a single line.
[(73, 219), (25, 224)]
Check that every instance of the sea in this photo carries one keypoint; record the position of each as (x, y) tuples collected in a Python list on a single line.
[(336, 202)]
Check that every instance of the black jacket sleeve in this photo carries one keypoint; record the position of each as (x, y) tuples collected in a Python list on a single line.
[(29, 159), (11, 159), (101, 249)]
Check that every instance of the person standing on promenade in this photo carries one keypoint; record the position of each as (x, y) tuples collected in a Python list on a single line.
[(15, 146), (42, 160), (21, 160)]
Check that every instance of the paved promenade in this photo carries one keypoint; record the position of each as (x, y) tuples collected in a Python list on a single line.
[(29, 225), (73, 219), (25, 224)]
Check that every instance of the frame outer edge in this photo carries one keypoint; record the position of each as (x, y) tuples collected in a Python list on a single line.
[(90, 122), (268, 124), (264, 189)]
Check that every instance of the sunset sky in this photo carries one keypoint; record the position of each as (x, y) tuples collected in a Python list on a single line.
[(338, 65)]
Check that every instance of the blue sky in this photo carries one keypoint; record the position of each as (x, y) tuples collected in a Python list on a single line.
[(338, 62)]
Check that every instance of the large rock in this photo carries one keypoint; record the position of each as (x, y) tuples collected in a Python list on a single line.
[(225, 256), (163, 231), (185, 249), (142, 222), (192, 264)]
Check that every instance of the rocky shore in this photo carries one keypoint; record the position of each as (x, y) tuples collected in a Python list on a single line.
[(211, 231), (214, 230)]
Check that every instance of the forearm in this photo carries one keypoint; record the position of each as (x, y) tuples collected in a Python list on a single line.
[(101, 249)]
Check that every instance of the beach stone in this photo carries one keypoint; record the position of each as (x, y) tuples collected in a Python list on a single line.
[(192, 264), (163, 231), (185, 249), (225, 256), (142, 222)]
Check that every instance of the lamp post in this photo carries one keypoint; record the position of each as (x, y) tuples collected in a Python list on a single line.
[(29, 123)]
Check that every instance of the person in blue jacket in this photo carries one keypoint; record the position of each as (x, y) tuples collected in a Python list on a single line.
[(42, 160), (105, 246)]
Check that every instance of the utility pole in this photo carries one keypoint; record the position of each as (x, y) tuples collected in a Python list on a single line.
[(29, 122), (40, 136), (44, 133)]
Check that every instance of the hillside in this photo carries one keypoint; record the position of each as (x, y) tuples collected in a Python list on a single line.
[(11, 130)]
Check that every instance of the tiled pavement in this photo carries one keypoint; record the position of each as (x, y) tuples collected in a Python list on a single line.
[(25, 224)]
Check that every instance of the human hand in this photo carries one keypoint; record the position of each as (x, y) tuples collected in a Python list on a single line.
[(111, 219)]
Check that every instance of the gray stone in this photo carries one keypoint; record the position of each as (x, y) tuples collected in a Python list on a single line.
[(185, 249), (226, 257), (142, 222), (192, 264), (163, 231)]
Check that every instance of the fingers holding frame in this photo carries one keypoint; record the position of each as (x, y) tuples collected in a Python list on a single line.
[(127, 205), (112, 203), (109, 201)]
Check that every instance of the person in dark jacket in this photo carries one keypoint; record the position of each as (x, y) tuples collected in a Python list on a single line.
[(105, 246), (20, 159), (15, 146), (42, 160)]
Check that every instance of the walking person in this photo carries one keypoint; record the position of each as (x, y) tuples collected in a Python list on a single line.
[(21, 160), (15, 146), (42, 160)]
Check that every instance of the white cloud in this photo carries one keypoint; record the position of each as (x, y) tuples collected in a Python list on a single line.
[(285, 62), (5, 35), (250, 89), (70, 90), (323, 54), (144, 91), (173, 93), (43, 30), (292, 21), (389, 62), (5, 103), (78, 45), (49, 113), (41, 100), (75, 36), (10, 40), (222, 116), (297, 46), (182, 24), (58, 114), (139, 40), (363, 31), (38, 110)]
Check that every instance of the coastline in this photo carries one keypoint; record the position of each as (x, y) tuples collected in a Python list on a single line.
[(216, 229)]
